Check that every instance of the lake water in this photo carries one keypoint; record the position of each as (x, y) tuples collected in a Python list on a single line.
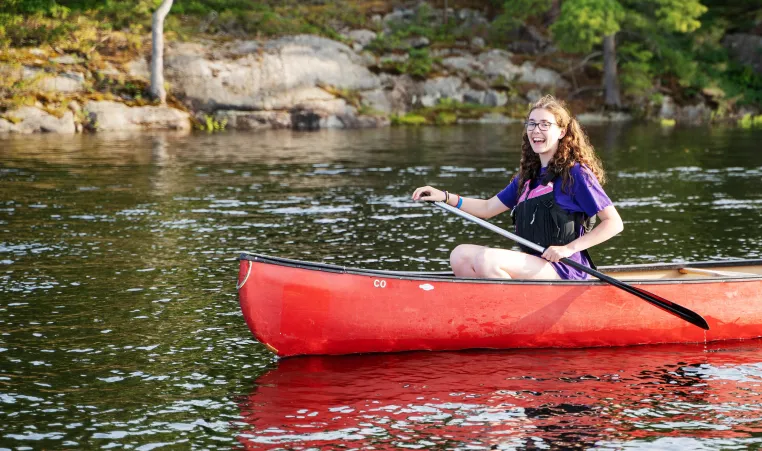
[(120, 327)]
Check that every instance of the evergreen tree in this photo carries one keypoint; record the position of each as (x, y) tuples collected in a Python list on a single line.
[(648, 24)]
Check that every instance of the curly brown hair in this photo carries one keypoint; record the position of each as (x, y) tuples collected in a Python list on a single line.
[(573, 148)]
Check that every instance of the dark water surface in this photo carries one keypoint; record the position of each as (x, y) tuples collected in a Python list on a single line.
[(120, 328)]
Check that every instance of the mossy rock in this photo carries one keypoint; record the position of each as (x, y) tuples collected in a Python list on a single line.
[(409, 119)]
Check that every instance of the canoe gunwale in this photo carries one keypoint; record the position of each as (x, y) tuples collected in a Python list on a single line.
[(448, 277)]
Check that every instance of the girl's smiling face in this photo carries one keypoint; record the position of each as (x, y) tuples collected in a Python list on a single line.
[(544, 142)]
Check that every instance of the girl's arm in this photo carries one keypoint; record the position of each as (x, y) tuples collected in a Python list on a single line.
[(480, 208), (610, 224)]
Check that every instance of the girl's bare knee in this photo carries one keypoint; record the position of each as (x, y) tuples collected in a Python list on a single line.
[(483, 263), (490, 263), (461, 261)]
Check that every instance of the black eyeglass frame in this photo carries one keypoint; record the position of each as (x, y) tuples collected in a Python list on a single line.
[(544, 125)]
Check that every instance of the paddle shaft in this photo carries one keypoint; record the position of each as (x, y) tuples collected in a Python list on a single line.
[(664, 304)]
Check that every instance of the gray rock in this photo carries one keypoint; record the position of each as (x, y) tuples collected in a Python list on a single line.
[(113, 116), (331, 121), (602, 118), (498, 64), (34, 120), (466, 64), (473, 96), (362, 37), (405, 92), (263, 79), (428, 100), (668, 108), (139, 68), (477, 43), (253, 120), (28, 73), (534, 95), (471, 17), (478, 83), (694, 114), (541, 76), (66, 59), (74, 106), (6, 126), (351, 121), (110, 70), (67, 82), (444, 87), (311, 98), (492, 118), (495, 98), (379, 100), (418, 42), (398, 16), (746, 48), (395, 58)]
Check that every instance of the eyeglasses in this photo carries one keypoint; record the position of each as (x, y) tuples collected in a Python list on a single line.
[(544, 125)]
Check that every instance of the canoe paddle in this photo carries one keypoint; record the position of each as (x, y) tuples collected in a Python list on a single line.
[(668, 306)]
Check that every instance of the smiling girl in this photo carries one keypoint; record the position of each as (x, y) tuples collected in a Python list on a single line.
[(553, 200)]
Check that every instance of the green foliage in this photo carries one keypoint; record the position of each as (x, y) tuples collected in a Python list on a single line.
[(635, 75), (419, 64), (422, 24), (212, 125), (679, 15), (583, 23), (749, 121), (408, 119), (35, 28), (448, 111), (516, 12), (445, 118)]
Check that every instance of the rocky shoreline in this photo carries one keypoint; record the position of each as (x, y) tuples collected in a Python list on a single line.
[(301, 82)]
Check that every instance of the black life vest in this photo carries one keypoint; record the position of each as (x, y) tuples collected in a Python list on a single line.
[(538, 218)]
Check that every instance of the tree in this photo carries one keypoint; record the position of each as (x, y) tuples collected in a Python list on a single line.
[(157, 55), (584, 24)]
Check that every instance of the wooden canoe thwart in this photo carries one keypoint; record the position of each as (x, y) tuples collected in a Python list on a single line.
[(296, 307)]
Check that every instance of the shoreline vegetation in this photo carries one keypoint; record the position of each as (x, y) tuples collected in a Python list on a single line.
[(72, 66)]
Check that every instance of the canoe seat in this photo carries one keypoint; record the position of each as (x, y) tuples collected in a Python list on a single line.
[(715, 273)]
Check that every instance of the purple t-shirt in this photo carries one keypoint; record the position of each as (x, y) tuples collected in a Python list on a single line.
[(586, 195)]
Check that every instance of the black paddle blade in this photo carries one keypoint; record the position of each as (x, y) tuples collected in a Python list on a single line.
[(656, 300), (669, 306)]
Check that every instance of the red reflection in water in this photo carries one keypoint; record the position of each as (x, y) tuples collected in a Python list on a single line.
[(545, 399)]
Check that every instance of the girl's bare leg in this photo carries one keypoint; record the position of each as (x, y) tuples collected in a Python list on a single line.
[(468, 260)]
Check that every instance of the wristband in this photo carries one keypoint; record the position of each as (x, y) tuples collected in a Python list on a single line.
[(460, 201), (447, 197)]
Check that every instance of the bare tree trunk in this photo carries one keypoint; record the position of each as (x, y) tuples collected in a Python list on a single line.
[(610, 77), (157, 56)]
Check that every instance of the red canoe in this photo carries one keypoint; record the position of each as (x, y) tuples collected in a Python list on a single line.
[(296, 307)]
